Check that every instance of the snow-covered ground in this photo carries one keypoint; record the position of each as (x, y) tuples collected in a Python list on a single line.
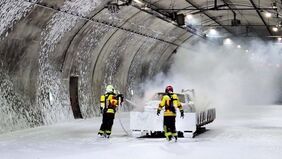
[(251, 132)]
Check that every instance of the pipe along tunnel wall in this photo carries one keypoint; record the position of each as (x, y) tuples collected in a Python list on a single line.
[(45, 42)]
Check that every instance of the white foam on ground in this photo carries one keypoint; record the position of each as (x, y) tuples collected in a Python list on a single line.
[(247, 134)]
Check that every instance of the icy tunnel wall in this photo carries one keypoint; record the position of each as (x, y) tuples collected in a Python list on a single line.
[(44, 42)]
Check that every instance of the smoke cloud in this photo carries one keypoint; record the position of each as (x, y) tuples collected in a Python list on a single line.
[(225, 76)]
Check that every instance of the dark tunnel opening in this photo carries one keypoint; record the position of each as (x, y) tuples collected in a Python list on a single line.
[(74, 97)]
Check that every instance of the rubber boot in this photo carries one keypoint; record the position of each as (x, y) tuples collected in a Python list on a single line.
[(100, 134), (175, 138), (169, 138)]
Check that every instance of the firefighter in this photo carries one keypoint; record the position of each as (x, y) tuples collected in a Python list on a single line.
[(109, 103), (170, 101)]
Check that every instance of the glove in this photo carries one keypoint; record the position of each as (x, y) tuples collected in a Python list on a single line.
[(120, 97), (101, 110), (181, 114), (158, 112)]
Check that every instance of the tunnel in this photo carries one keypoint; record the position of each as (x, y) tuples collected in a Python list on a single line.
[(46, 43), (58, 56)]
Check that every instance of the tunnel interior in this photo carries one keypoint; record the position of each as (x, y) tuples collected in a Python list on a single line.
[(57, 56), (46, 43)]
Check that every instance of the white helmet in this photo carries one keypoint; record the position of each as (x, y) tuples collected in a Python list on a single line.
[(110, 89)]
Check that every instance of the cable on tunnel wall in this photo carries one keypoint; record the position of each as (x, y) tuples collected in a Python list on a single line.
[(105, 23)]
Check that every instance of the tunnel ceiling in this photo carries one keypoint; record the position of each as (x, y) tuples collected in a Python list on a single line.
[(219, 14)]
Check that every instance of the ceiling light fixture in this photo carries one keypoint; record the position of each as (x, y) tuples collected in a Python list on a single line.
[(138, 1), (227, 41), (212, 31), (279, 24), (274, 5), (275, 29), (145, 7), (267, 14), (189, 16)]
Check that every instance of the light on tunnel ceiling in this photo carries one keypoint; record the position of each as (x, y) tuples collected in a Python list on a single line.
[(267, 14), (189, 16), (138, 1), (227, 41), (190, 20), (274, 5), (212, 32), (275, 29), (145, 7), (246, 51), (279, 24), (279, 39), (238, 46)]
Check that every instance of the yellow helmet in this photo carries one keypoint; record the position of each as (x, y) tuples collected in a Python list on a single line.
[(110, 89)]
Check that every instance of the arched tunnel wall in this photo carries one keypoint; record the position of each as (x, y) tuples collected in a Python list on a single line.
[(44, 42)]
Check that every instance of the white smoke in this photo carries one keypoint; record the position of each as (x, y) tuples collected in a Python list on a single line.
[(225, 76)]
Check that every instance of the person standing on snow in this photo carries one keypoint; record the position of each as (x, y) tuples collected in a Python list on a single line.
[(109, 103), (170, 101)]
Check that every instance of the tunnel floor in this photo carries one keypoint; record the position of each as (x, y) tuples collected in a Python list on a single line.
[(243, 134)]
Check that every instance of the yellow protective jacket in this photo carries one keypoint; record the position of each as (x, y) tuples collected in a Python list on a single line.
[(109, 102), (170, 102)]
